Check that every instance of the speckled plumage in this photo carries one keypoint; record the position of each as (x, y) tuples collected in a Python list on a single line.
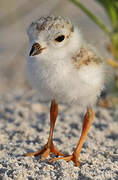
[(69, 71), (49, 22), (86, 56)]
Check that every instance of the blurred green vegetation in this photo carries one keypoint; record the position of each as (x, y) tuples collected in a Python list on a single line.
[(111, 8)]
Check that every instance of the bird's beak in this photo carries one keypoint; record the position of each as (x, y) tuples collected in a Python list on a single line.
[(36, 49)]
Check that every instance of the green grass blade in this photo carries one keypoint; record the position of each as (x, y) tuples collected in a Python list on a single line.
[(111, 8), (94, 18)]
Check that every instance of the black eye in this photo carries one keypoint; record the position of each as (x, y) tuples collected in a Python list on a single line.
[(60, 38)]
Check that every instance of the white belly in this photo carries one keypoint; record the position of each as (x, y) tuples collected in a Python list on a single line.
[(64, 83)]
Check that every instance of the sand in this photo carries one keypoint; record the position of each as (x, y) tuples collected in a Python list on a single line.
[(24, 127)]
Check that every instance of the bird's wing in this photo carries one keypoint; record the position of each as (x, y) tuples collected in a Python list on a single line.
[(86, 56)]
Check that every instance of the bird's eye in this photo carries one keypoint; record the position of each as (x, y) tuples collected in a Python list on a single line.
[(60, 38)]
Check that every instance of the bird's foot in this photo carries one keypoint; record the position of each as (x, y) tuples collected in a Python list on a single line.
[(68, 158), (45, 151)]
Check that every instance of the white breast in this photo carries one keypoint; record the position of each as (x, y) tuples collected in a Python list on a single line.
[(61, 81)]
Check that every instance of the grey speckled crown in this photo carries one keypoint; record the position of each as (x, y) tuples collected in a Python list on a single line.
[(46, 23)]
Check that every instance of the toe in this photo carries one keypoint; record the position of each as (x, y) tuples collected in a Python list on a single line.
[(45, 154), (67, 158), (55, 151)]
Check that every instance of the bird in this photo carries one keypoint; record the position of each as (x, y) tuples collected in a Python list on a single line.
[(64, 68)]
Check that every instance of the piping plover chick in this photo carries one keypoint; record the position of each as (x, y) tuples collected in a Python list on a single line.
[(63, 68)]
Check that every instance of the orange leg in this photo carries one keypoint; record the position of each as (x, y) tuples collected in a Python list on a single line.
[(88, 120), (49, 147)]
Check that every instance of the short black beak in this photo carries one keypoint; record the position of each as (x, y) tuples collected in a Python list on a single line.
[(36, 49)]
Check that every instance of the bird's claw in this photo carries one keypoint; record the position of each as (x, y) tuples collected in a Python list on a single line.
[(67, 159), (45, 151)]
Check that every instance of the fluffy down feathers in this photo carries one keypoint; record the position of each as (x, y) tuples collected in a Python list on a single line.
[(68, 72)]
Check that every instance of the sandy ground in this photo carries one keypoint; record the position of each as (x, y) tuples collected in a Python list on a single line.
[(24, 127), (24, 121)]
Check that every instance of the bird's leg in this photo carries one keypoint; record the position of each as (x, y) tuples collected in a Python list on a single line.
[(88, 120), (49, 147)]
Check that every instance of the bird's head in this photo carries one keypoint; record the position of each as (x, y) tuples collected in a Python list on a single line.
[(53, 37)]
